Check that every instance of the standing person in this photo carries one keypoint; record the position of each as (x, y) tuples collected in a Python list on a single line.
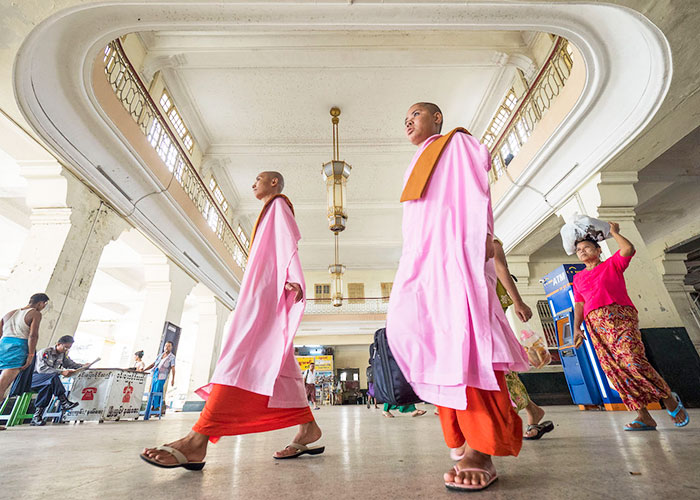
[(139, 365), (310, 385), (51, 363), (601, 299), (164, 366), (508, 295), (445, 328), (257, 385), (19, 332)]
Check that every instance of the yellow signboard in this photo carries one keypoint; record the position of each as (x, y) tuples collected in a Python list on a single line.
[(324, 363), (321, 363)]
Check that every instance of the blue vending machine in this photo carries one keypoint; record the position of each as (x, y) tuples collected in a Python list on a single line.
[(587, 382)]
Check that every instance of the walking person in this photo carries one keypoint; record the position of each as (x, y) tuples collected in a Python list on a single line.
[(310, 385), (19, 333), (601, 300), (445, 328), (257, 385), (508, 295)]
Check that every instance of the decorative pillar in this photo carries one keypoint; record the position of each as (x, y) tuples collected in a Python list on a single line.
[(673, 271), (70, 226)]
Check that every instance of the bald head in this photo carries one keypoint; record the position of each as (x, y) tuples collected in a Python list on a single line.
[(268, 184), (423, 120), (276, 179)]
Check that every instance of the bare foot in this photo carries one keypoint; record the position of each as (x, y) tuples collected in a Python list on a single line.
[(642, 416), (534, 417), (388, 414), (418, 413), (193, 446), (457, 454), (472, 460), (671, 404), (308, 433)]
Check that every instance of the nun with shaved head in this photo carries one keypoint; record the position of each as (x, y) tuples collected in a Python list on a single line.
[(257, 385)]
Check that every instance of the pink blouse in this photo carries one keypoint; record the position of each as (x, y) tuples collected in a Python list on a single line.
[(603, 285)]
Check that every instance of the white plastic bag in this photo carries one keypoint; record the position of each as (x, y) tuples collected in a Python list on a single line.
[(582, 226)]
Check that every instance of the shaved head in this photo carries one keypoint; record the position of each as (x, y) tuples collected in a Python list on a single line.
[(280, 180), (431, 109)]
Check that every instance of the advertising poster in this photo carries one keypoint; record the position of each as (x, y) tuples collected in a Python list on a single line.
[(89, 389)]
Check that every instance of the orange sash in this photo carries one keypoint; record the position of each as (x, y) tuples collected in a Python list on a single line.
[(262, 213), (423, 169)]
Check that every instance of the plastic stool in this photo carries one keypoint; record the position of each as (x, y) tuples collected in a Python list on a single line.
[(19, 411)]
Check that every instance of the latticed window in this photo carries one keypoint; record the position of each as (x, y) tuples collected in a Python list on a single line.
[(322, 292), (242, 236), (176, 120), (356, 293), (218, 194), (500, 118)]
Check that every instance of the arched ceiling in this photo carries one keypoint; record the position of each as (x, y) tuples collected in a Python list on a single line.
[(260, 101)]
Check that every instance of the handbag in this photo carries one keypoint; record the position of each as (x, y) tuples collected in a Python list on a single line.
[(390, 386)]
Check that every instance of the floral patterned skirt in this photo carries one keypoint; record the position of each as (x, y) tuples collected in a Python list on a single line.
[(614, 330), (517, 391)]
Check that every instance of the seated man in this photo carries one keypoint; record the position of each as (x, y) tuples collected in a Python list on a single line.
[(52, 362)]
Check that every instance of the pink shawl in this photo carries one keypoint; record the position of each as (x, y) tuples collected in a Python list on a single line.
[(258, 353), (445, 325)]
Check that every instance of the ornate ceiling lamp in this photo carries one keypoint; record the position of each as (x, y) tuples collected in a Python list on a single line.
[(336, 173)]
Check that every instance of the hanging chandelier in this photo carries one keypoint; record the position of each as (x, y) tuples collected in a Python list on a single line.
[(336, 173)]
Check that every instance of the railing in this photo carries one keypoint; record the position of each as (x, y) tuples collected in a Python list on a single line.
[(135, 98), (536, 101), (370, 305)]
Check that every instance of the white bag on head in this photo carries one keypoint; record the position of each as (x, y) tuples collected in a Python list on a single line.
[(583, 226)]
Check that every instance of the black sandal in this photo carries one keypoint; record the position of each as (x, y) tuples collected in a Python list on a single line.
[(542, 429)]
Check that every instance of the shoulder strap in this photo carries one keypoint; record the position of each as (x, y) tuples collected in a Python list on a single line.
[(423, 169)]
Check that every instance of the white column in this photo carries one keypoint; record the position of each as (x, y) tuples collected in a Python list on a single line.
[(673, 270), (167, 287), (70, 226), (611, 196), (213, 315)]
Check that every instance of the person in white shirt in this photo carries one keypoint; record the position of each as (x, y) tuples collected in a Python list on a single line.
[(310, 385)]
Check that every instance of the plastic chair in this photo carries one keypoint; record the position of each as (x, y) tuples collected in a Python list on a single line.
[(57, 413), (19, 411)]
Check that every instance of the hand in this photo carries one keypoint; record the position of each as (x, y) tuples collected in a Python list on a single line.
[(28, 362), (578, 338), (490, 248), (296, 288), (85, 365), (523, 311), (614, 227), (67, 373)]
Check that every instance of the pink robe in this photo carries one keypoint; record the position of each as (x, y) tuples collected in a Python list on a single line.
[(258, 353), (445, 325)]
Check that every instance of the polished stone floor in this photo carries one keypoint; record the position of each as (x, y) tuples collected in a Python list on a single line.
[(587, 456)]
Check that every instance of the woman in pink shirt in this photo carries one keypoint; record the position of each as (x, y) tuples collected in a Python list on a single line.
[(601, 298)]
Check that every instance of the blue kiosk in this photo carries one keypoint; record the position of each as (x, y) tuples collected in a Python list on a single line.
[(588, 385)]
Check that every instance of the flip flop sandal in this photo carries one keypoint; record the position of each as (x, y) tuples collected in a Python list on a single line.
[(387, 414), (542, 429), (642, 426), (178, 455), (471, 487), (302, 450), (677, 410), (418, 413)]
